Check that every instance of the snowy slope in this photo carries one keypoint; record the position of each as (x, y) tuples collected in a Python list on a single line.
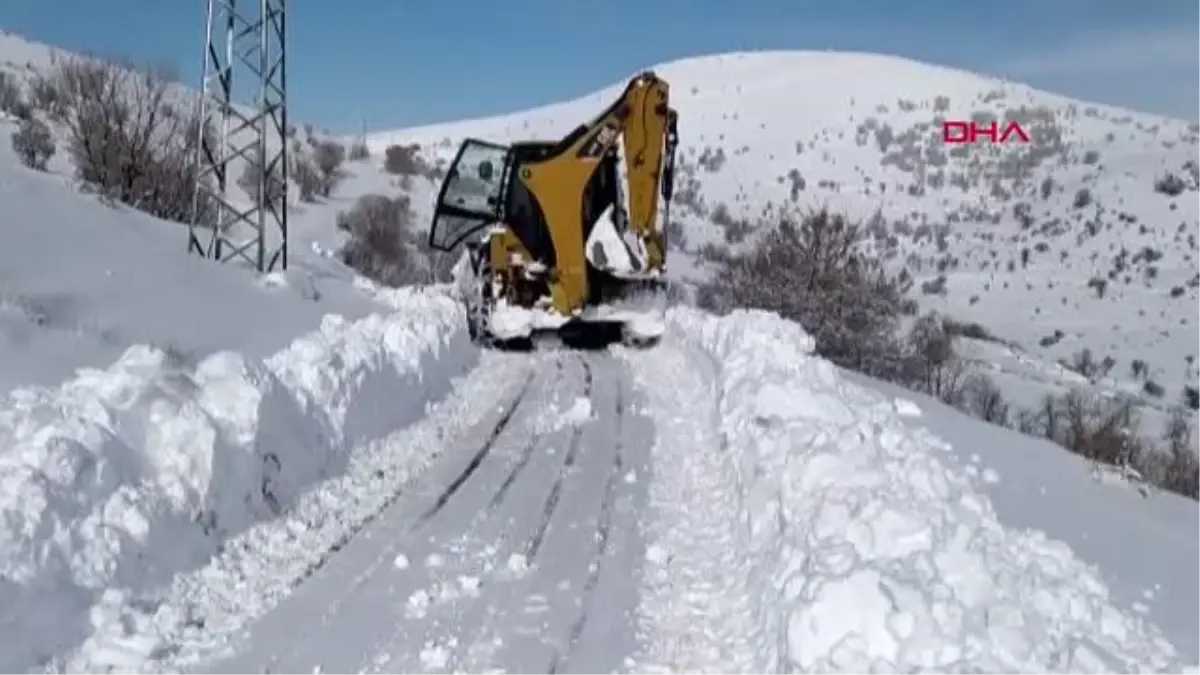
[(765, 131), (80, 282), (1106, 522)]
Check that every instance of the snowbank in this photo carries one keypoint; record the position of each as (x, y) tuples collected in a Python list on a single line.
[(874, 549), (122, 478)]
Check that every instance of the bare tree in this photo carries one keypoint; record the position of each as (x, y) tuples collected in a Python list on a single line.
[(932, 352), (129, 135), (1097, 428), (983, 399), (1181, 473)]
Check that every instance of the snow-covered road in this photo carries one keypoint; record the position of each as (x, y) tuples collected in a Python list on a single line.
[(517, 551), (384, 497)]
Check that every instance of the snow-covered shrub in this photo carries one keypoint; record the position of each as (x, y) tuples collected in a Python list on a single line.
[(1170, 185), (403, 159), (328, 157), (306, 174), (381, 243), (11, 101), (33, 144), (1191, 397), (256, 181), (813, 270)]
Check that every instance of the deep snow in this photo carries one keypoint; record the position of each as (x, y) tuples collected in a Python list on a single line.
[(120, 479), (231, 456), (1110, 524), (834, 534)]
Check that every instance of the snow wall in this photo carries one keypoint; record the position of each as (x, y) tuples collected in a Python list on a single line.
[(858, 544), (124, 477)]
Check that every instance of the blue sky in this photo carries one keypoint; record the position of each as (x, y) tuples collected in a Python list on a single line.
[(403, 62)]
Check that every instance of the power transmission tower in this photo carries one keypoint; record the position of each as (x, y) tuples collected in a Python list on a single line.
[(245, 45)]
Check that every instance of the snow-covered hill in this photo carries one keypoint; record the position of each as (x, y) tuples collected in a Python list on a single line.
[(198, 464), (80, 282), (1055, 246)]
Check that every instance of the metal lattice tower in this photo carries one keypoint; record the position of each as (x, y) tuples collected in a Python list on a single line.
[(246, 39)]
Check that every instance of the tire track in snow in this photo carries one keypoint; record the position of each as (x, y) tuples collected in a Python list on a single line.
[(602, 538), (461, 595), (541, 608), (520, 556), (489, 553), (340, 543), (341, 608), (539, 535), (479, 455)]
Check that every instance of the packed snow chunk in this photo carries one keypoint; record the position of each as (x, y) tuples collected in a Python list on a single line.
[(418, 604), (641, 312), (863, 543), (118, 480), (401, 562), (579, 412), (518, 563), (906, 408), (509, 321), (435, 656)]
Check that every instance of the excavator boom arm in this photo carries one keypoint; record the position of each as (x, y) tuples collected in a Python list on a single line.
[(649, 136)]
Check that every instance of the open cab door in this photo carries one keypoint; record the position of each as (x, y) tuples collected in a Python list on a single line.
[(473, 195)]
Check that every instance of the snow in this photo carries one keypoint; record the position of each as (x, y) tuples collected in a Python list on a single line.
[(110, 278), (122, 478), (841, 536), (1110, 524), (198, 463), (508, 321)]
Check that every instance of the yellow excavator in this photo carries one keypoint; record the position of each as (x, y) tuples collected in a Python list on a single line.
[(566, 237)]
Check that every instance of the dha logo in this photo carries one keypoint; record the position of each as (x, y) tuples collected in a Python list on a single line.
[(969, 131)]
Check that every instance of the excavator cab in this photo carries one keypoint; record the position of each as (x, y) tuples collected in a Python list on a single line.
[(572, 232), (473, 194)]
